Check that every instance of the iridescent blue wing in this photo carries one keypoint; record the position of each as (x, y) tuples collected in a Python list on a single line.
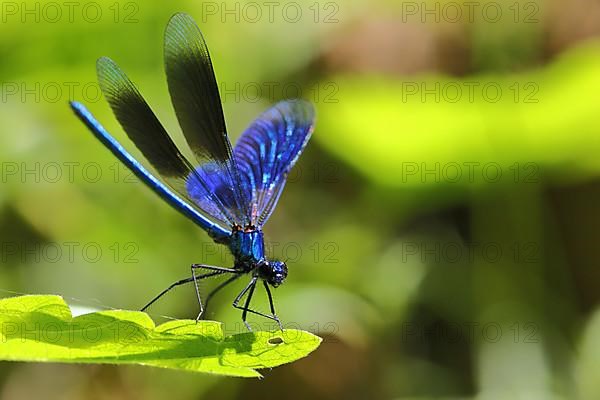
[(195, 97), (267, 151), (145, 130)]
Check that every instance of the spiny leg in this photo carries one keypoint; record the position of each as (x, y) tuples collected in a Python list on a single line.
[(217, 271), (214, 268), (215, 290), (245, 309), (250, 286), (266, 285), (248, 298), (180, 282)]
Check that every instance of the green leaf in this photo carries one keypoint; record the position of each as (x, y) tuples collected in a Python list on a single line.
[(41, 328)]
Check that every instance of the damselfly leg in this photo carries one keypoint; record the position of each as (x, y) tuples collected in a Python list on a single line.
[(216, 271), (246, 307)]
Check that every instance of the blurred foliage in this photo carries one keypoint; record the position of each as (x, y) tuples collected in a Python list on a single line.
[(538, 116), (423, 284)]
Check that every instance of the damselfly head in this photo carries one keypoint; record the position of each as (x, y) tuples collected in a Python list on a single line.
[(274, 272)]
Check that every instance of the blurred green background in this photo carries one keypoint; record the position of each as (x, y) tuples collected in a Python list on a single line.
[(441, 228)]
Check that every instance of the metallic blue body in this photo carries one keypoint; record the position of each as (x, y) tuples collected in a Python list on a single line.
[(248, 248), (218, 233)]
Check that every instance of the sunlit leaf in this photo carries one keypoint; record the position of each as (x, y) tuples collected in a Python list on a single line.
[(41, 328)]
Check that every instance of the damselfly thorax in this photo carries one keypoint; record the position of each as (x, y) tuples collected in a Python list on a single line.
[(248, 248)]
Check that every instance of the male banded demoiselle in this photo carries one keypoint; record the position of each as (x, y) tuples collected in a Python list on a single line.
[(230, 192)]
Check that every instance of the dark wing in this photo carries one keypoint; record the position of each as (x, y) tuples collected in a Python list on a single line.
[(195, 96), (267, 151), (151, 138), (163, 191)]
